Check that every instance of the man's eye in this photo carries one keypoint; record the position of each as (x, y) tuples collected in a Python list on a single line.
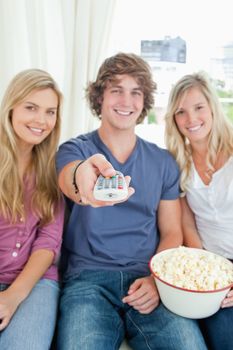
[(137, 93)]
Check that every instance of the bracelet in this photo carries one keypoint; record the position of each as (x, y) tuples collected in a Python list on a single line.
[(74, 183)]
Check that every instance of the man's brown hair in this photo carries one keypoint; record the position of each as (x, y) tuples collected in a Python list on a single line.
[(119, 64)]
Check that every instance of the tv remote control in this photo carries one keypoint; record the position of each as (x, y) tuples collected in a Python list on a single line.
[(112, 188)]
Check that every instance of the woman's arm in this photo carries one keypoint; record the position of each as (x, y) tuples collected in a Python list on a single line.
[(191, 236), (44, 250), (37, 265)]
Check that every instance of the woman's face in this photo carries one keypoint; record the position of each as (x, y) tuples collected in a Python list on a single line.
[(34, 118), (193, 116)]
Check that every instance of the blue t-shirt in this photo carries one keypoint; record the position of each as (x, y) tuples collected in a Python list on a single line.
[(123, 237)]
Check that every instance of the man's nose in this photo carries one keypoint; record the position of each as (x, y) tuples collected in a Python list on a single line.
[(126, 99)]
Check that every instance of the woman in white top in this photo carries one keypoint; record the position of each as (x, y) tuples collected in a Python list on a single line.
[(201, 140)]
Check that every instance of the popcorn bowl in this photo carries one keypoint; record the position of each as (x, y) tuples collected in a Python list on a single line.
[(185, 298)]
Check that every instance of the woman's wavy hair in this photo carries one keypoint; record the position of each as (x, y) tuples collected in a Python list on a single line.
[(122, 63), (220, 138), (46, 195)]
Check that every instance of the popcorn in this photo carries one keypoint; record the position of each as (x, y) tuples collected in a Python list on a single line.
[(193, 269)]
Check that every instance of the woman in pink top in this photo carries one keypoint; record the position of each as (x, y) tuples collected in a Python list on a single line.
[(31, 211)]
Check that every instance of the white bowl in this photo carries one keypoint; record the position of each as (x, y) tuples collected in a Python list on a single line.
[(193, 304)]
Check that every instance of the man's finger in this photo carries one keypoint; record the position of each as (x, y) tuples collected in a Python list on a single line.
[(101, 163)]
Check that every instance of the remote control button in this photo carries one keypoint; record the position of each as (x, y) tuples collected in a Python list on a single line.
[(111, 188), (107, 182)]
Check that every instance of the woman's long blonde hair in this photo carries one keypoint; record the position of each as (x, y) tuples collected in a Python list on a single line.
[(220, 138), (46, 195)]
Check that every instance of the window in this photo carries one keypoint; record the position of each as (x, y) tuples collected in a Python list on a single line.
[(178, 37)]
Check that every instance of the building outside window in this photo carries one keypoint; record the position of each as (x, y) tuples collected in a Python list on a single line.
[(177, 38)]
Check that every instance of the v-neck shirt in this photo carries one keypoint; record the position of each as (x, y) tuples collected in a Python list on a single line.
[(123, 236), (116, 164), (212, 205)]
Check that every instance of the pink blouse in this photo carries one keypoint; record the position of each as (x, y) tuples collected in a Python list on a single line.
[(19, 240)]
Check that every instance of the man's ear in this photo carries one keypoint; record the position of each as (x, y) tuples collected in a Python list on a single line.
[(100, 100)]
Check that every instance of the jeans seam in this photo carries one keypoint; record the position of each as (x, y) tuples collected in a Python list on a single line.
[(118, 337), (140, 331), (122, 283)]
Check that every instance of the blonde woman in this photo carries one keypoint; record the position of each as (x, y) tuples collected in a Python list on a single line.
[(201, 140), (31, 211)]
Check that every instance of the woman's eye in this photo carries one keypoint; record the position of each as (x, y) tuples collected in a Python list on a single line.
[(51, 112), (30, 108)]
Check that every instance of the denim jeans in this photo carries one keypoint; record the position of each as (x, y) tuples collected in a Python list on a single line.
[(93, 317), (32, 325), (218, 330)]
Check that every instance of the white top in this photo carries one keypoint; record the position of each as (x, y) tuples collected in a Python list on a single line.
[(213, 208)]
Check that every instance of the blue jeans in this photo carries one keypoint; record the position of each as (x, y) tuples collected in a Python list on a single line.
[(93, 317), (218, 330), (32, 325)]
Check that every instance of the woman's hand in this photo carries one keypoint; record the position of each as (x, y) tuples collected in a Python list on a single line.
[(228, 301), (8, 305)]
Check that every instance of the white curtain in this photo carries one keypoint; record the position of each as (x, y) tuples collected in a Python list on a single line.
[(87, 28), (31, 35), (68, 38)]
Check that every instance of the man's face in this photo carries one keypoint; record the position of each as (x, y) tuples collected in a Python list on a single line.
[(123, 102)]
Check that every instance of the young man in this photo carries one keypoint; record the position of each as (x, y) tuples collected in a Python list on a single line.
[(108, 292)]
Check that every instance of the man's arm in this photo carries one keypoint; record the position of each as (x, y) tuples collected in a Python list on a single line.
[(85, 178), (191, 236), (142, 294), (170, 225)]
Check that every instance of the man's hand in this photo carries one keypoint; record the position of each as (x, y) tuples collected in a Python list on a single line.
[(143, 295), (86, 176)]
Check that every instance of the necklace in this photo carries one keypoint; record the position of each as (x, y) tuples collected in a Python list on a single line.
[(204, 171), (209, 173)]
